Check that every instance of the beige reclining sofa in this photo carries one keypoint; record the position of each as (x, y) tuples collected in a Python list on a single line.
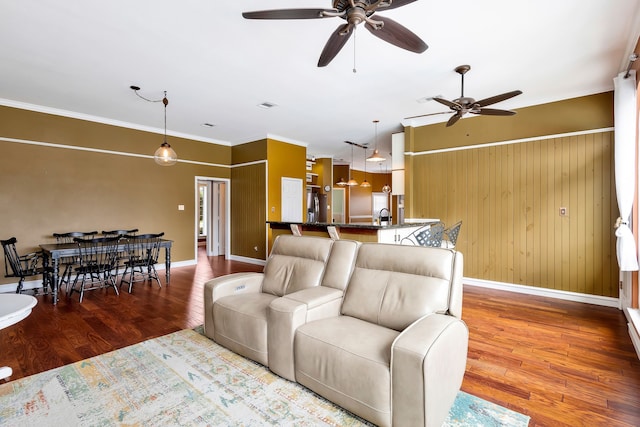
[(374, 328), (312, 271)]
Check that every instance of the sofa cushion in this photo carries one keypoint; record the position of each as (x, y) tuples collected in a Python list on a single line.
[(295, 263), (240, 324), (347, 361), (394, 291)]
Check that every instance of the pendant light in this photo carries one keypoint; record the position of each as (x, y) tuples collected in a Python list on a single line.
[(376, 157), (365, 183), (386, 189), (352, 182), (164, 155)]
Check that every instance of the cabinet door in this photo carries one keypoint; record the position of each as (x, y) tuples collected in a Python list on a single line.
[(404, 232), (387, 236)]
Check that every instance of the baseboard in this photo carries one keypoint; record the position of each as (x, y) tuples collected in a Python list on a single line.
[(35, 284), (545, 292), (248, 260), (634, 327), (186, 263), (9, 288)]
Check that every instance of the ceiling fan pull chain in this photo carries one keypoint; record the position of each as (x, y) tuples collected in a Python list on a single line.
[(354, 50)]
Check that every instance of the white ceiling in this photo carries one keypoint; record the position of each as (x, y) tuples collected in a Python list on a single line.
[(79, 57)]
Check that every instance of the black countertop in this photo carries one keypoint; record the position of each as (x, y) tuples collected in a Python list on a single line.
[(362, 226)]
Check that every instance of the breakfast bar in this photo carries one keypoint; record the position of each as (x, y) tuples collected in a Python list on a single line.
[(362, 232)]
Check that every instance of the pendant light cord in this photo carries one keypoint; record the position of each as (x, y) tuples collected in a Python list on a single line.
[(165, 101)]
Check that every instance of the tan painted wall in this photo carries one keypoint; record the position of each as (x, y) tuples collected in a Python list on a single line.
[(55, 189), (285, 160), (508, 196)]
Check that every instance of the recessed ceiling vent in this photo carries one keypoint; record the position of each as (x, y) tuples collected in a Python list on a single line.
[(267, 105)]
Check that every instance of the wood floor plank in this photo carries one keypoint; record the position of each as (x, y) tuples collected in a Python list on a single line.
[(562, 363)]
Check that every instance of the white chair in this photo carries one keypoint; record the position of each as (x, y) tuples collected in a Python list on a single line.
[(450, 235), (429, 235)]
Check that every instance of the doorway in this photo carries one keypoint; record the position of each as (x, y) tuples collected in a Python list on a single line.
[(212, 214)]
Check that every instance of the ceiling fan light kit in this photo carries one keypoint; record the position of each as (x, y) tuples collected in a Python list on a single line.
[(354, 12)]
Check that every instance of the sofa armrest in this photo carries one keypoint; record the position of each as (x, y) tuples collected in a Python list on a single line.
[(286, 314), (230, 284), (428, 361), (319, 298)]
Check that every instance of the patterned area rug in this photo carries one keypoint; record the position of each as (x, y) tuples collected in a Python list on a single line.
[(186, 379)]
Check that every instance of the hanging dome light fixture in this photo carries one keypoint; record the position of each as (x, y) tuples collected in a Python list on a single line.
[(164, 155), (365, 183), (352, 182), (376, 157)]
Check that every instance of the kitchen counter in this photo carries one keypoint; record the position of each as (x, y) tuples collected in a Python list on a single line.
[(363, 232)]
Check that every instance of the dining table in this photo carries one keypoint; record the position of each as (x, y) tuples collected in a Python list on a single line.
[(53, 252)]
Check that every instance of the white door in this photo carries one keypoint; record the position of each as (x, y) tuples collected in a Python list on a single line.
[(291, 190)]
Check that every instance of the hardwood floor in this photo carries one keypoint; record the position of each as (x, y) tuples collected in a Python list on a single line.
[(562, 363)]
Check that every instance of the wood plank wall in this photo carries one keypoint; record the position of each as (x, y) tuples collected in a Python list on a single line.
[(508, 197), (248, 201)]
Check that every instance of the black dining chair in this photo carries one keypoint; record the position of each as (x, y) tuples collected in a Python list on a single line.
[(70, 262), (96, 264), (141, 258), (119, 233), (23, 266), (121, 255)]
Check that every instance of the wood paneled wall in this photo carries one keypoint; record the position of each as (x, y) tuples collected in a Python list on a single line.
[(509, 196), (248, 201)]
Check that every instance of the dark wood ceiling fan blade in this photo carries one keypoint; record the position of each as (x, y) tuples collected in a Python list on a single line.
[(493, 112), (396, 4), (288, 14), (397, 35), (452, 121), (335, 44), (452, 105), (497, 98)]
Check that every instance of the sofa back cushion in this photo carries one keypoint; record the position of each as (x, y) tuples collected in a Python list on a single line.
[(341, 263), (295, 263), (394, 285)]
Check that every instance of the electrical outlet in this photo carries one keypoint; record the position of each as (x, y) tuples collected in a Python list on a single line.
[(563, 211), (255, 248)]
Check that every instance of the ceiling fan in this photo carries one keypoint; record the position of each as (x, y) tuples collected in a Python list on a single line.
[(462, 105), (354, 12)]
